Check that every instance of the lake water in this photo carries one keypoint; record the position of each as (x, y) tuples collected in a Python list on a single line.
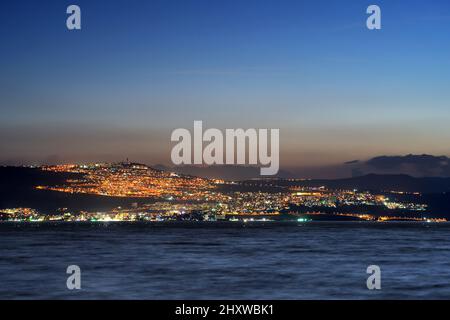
[(225, 260)]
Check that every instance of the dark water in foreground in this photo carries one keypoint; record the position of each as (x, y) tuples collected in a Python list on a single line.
[(225, 260)]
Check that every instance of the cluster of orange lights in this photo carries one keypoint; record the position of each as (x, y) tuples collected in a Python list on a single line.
[(139, 181), (131, 181)]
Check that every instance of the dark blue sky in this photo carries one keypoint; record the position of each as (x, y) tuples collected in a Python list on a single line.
[(139, 69)]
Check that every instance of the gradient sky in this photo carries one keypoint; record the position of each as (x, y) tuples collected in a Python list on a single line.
[(139, 69)]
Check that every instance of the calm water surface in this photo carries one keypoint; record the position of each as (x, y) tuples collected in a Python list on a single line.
[(224, 260)]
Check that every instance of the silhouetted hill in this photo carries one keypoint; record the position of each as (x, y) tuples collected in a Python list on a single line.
[(26, 178), (224, 172), (17, 189), (415, 165), (377, 182), (423, 165)]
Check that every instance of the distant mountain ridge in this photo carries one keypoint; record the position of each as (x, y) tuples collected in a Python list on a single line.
[(225, 172), (381, 182), (13, 177), (17, 189), (423, 165)]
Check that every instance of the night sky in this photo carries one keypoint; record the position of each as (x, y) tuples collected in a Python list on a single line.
[(139, 69)]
